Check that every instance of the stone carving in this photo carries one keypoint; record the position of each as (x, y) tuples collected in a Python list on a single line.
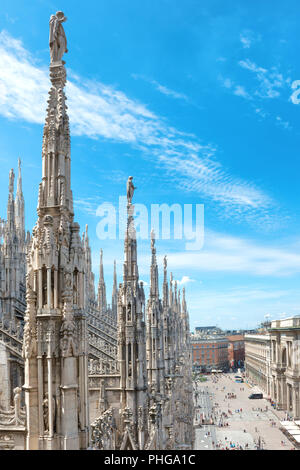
[(15, 416), (67, 341), (11, 181), (46, 413), (103, 430), (57, 37), (130, 189)]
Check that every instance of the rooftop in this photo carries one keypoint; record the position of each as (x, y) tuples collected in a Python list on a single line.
[(291, 322), (233, 338)]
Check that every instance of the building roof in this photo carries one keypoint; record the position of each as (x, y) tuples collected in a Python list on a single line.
[(235, 338)]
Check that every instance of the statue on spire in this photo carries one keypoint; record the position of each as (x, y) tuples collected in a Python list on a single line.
[(152, 235), (130, 189), (11, 181), (165, 262), (57, 37)]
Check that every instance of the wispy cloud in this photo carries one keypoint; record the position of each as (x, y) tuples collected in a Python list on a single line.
[(240, 91), (270, 81), (246, 306), (161, 88), (98, 110), (87, 205), (236, 89), (281, 122), (248, 38), (227, 254), (270, 85)]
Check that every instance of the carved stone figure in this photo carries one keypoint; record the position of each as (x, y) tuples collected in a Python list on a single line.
[(130, 189), (57, 37), (11, 181)]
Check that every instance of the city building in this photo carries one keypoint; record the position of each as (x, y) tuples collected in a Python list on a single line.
[(207, 330), (285, 360), (209, 352), (258, 360), (236, 350)]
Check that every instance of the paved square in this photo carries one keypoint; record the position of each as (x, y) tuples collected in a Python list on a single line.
[(236, 421)]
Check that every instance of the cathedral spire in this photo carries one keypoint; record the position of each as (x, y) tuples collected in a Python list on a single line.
[(132, 335), (89, 275), (165, 285), (114, 300), (130, 270), (55, 188), (184, 308), (19, 207), (55, 349), (101, 287), (154, 292), (171, 299), (11, 204)]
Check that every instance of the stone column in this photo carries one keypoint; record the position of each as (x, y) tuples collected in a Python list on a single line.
[(69, 404), (31, 403)]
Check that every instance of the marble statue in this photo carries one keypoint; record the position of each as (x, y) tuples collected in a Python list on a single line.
[(130, 189), (11, 180), (57, 37)]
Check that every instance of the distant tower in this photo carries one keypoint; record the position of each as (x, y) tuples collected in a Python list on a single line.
[(55, 345)]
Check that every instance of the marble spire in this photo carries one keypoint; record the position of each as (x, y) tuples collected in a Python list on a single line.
[(114, 300), (132, 340), (55, 345), (102, 304)]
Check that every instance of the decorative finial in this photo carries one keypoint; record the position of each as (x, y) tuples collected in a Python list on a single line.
[(57, 37)]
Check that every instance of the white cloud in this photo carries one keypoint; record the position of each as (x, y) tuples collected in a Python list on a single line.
[(87, 205), (228, 254), (97, 110), (281, 122), (248, 37), (270, 81), (161, 88), (237, 90), (240, 91), (185, 280)]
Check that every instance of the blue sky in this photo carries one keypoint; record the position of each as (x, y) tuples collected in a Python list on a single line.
[(195, 100)]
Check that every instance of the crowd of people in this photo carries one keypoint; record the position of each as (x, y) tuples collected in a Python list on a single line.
[(220, 418)]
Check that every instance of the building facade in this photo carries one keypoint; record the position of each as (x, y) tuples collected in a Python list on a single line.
[(258, 361), (209, 352), (285, 360), (236, 350)]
